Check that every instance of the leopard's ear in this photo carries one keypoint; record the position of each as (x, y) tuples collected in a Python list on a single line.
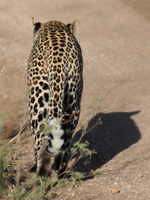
[(74, 27), (33, 21), (36, 27)]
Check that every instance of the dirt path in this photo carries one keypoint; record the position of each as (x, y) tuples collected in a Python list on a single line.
[(115, 39)]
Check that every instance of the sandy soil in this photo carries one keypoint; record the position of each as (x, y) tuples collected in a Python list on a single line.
[(114, 37)]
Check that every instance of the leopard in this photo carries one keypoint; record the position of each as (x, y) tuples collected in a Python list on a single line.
[(55, 85)]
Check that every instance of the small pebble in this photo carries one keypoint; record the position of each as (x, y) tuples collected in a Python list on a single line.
[(114, 191)]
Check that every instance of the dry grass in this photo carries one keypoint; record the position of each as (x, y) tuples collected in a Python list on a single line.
[(11, 125)]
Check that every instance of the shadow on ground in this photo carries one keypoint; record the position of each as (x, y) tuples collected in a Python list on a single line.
[(116, 133)]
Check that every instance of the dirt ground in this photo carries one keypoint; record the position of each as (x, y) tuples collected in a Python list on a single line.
[(115, 40)]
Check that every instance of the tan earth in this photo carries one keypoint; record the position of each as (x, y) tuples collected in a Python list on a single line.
[(115, 39)]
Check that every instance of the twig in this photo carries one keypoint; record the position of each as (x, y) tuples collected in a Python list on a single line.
[(21, 131)]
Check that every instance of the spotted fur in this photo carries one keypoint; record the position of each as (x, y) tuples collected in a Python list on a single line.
[(55, 87)]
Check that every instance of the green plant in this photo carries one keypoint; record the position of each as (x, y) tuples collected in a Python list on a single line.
[(3, 156), (3, 164), (40, 187), (81, 150)]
